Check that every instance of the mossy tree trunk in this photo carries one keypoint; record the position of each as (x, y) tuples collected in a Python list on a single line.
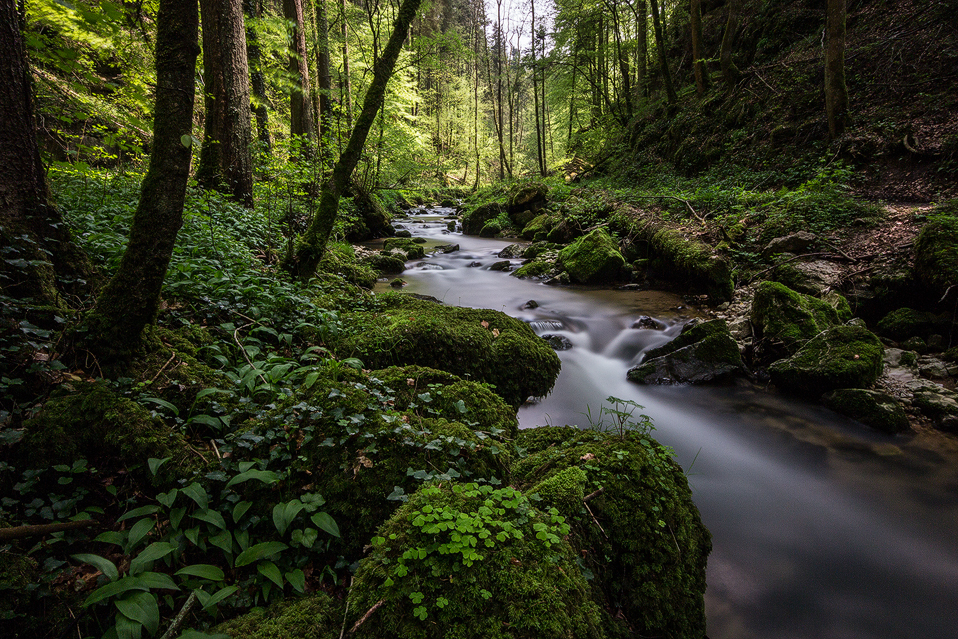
[(131, 299), (663, 59), (254, 56), (836, 92), (225, 162), (313, 244), (730, 72), (37, 246), (301, 122), (698, 48)]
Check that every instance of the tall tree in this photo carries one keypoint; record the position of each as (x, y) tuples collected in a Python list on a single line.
[(253, 9), (301, 121), (313, 245), (836, 92), (323, 79), (730, 72), (131, 299), (225, 161), (29, 223), (540, 142), (347, 98), (663, 59), (698, 49)]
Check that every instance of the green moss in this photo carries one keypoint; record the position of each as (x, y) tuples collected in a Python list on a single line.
[(788, 318), (702, 353), (592, 258), (538, 227), (839, 357), (536, 249), (936, 252), (317, 616), (519, 579), (473, 220), (840, 304), (650, 554), (533, 269), (564, 490), (678, 257), (903, 323), (878, 410), (386, 262), (94, 423), (412, 250), (341, 259), (478, 344), (691, 333)]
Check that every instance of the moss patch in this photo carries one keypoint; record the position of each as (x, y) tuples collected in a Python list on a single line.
[(878, 410), (533, 269), (592, 258), (473, 220), (317, 616), (787, 319), (340, 259), (412, 250), (839, 357), (936, 253), (903, 323)]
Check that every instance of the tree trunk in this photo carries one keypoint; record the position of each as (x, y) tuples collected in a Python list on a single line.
[(642, 64), (535, 96), (311, 250), (323, 78), (300, 114), (225, 162), (698, 49), (663, 61), (42, 247), (131, 299), (836, 93), (254, 57), (730, 72)]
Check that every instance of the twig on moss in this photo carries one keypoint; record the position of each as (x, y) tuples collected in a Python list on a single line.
[(672, 197), (362, 620), (22, 532), (592, 496), (594, 519), (180, 617), (163, 368)]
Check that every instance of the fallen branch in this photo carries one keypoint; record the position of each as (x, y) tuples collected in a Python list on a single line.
[(163, 368), (22, 532), (180, 617), (594, 519), (672, 197), (362, 620), (592, 496)]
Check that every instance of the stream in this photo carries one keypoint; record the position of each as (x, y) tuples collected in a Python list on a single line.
[(821, 527)]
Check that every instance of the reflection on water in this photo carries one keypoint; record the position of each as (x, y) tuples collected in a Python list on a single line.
[(821, 528)]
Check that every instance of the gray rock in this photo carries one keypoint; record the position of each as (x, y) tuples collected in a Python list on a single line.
[(558, 342), (794, 243), (504, 265), (513, 251), (648, 323), (932, 368), (872, 408), (446, 248), (703, 353)]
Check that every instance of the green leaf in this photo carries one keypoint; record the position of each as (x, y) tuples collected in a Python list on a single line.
[(111, 537), (203, 571), (102, 564), (211, 517), (176, 516), (196, 634), (138, 531), (167, 499), (138, 512), (157, 580), (114, 588), (186, 140), (240, 509), (198, 494), (297, 579), (156, 550), (269, 570), (127, 628), (260, 551), (156, 463), (141, 607), (223, 541), (326, 522), (284, 514), (219, 596), (265, 476), (162, 403)]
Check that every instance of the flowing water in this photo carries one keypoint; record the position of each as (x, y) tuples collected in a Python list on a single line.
[(821, 528)]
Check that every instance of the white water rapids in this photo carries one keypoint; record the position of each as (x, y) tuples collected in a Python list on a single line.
[(822, 529)]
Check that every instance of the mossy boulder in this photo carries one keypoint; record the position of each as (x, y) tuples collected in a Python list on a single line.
[(785, 319), (317, 616), (593, 258), (872, 408), (526, 200), (936, 253), (838, 357), (94, 423), (649, 556), (412, 250), (387, 262), (445, 395), (704, 352), (533, 269), (473, 561), (674, 256), (903, 323), (538, 227), (475, 219), (340, 259), (478, 344)]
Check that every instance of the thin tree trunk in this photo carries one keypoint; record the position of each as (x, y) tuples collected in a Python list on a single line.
[(323, 79), (311, 250), (730, 72), (698, 50), (131, 299), (540, 143), (347, 97), (836, 93), (300, 114), (623, 59), (663, 60), (254, 56), (225, 162), (642, 63)]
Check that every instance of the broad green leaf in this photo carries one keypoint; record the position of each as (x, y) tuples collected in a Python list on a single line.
[(198, 494), (209, 391), (297, 579), (223, 541), (324, 521), (114, 588), (167, 499), (162, 403), (265, 476), (157, 580), (138, 512), (138, 531), (156, 463), (284, 514), (156, 550), (219, 596), (102, 564), (240, 509), (269, 570), (127, 628), (141, 607), (203, 571), (211, 517), (111, 537), (176, 516), (260, 551), (186, 140)]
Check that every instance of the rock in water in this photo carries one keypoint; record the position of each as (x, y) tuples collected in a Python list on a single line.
[(838, 357), (872, 408), (703, 353), (593, 258)]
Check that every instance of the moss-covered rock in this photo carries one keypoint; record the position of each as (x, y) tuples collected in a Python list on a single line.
[(527, 196), (593, 258), (903, 323), (479, 344), (493, 228), (936, 253), (537, 249), (317, 616), (785, 319), (649, 556), (703, 353), (475, 219), (386, 262), (872, 408), (678, 257), (92, 422), (838, 357), (533, 269), (445, 395), (340, 259), (473, 562), (538, 227), (407, 245)]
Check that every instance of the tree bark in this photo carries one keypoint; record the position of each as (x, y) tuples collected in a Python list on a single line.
[(254, 56), (131, 299), (663, 61), (225, 161), (313, 245), (323, 79), (698, 49), (836, 92), (300, 114), (347, 97), (730, 72), (39, 245)]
